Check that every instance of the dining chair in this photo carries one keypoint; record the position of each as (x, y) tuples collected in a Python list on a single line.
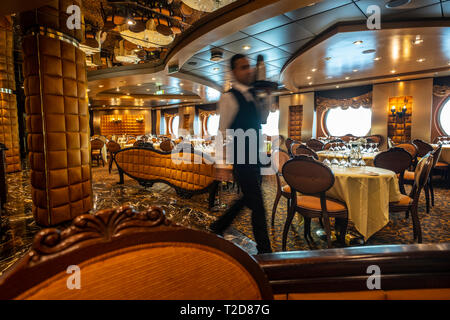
[(279, 158), (315, 144), (329, 144), (167, 145), (288, 143), (299, 149), (112, 147), (412, 149), (410, 177), (422, 147), (312, 179), (131, 141), (409, 203), (397, 160), (96, 151)]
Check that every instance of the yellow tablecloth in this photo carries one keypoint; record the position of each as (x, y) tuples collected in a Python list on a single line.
[(367, 196), (445, 153), (368, 158), (104, 153)]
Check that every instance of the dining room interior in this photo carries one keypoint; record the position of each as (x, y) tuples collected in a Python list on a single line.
[(112, 148)]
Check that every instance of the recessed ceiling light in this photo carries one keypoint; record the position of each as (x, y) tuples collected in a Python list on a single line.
[(327, 58), (88, 90), (311, 4), (139, 84), (198, 89), (182, 93), (308, 77), (420, 60), (310, 83), (418, 40), (128, 93), (369, 51), (398, 79), (355, 70), (392, 71), (216, 69), (131, 22), (117, 89), (153, 79), (337, 86), (358, 42), (329, 77), (246, 47), (377, 58), (100, 86), (147, 89), (181, 84), (314, 70), (346, 78)]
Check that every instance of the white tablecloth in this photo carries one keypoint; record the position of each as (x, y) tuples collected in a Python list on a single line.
[(367, 196), (445, 153)]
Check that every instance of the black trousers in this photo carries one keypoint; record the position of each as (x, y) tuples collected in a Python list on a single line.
[(249, 179)]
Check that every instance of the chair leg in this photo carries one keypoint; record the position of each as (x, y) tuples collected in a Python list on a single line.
[(275, 205), (342, 223), (326, 222), (431, 192), (288, 223), (307, 228), (427, 197)]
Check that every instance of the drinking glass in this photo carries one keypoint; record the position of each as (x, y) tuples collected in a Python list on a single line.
[(376, 148), (327, 162), (439, 141), (370, 150), (334, 162)]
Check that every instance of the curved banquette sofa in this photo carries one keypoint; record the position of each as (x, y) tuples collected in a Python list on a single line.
[(189, 172), (124, 254)]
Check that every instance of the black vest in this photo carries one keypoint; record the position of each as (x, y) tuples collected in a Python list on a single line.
[(247, 117)]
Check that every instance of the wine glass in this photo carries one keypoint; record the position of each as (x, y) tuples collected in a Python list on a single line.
[(331, 148), (327, 162), (375, 150), (439, 141), (370, 150)]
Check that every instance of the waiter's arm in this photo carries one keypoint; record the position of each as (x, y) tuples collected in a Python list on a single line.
[(228, 109)]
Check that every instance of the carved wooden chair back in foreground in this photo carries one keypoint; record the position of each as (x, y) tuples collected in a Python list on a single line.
[(375, 138), (96, 151), (397, 160), (112, 147), (315, 144), (410, 177), (279, 158), (410, 203), (129, 255), (298, 149), (167, 145), (312, 179)]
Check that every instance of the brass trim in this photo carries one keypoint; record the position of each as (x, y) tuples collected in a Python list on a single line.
[(44, 132)]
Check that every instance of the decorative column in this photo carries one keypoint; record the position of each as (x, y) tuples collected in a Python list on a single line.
[(9, 132), (57, 115)]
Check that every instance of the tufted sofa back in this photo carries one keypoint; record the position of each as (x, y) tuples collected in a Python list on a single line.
[(187, 170)]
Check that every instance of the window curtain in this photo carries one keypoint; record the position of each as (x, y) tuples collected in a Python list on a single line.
[(345, 98)]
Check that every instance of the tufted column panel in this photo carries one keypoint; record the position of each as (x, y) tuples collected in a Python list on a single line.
[(58, 127), (9, 128)]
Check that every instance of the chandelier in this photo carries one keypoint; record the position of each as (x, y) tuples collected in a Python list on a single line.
[(207, 5)]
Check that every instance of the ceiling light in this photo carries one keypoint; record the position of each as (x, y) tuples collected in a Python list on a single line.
[(309, 77), (181, 84), (420, 60), (128, 93), (311, 4), (327, 58), (337, 86), (355, 70), (358, 42), (329, 77), (392, 71), (310, 83), (377, 58), (398, 79), (246, 47), (346, 78), (182, 93), (88, 90), (396, 3), (216, 55), (153, 79), (216, 69), (314, 70), (101, 86), (131, 22), (117, 89), (139, 84), (147, 89), (418, 40), (369, 51)]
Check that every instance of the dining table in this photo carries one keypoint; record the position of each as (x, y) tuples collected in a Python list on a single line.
[(367, 192), (445, 153)]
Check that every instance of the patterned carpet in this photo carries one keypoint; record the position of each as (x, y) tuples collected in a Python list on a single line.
[(18, 227)]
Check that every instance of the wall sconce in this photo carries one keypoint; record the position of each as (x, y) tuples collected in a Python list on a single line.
[(114, 120), (139, 120), (400, 113)]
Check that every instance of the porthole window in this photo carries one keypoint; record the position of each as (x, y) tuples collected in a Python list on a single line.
[(444, 117), (212, 124), (174, 124), (271, 127), (339, 122)]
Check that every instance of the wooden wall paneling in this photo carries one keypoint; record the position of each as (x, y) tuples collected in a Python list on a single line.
[(295, 122)]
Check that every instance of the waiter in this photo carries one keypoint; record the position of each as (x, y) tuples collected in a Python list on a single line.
[(238, 110)]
